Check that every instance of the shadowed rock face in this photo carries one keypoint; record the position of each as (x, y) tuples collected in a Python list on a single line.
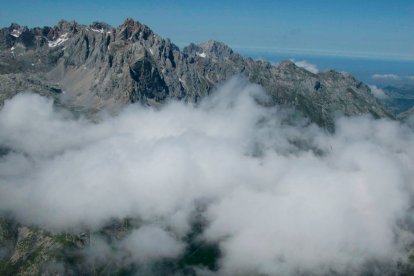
[(116, 66)]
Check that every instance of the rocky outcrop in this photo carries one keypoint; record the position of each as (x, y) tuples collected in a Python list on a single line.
[(29, 250), (407, 114), (11, 84), (33, 251), (112, 67)]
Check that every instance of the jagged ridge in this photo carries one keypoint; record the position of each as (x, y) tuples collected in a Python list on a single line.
[(112, 67)]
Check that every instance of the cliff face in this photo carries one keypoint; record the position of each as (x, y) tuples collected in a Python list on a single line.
[(110, 67)]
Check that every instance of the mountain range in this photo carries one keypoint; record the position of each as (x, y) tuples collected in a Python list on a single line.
[(101, 67)]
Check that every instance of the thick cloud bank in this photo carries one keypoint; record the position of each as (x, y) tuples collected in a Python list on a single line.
[(279, 196)]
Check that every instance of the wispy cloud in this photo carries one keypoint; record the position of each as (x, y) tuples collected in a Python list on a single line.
[(326, 52), (386, 77), (378, 92), (307, 65)]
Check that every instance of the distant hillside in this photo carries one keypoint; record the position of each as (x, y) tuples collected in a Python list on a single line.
[(400, 99)]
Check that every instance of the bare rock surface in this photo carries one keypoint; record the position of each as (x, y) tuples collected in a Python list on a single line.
[(101, 67)]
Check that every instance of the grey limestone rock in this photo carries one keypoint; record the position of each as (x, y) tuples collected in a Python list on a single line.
[(111, 67)]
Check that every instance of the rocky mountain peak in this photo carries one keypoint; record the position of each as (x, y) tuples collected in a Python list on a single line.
[(216, 48), (101, 26), (289, 69), (133, 30), (209, 49), (287, 65), (14, 26), (68, 26), (335, 76)]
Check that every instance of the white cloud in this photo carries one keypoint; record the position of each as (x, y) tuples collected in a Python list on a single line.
[(150, 243), (306, 65), (279, 198), (386, 77), (378, 92), (144, 246)]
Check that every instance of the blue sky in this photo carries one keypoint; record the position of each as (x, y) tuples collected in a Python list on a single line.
[(368, 28)]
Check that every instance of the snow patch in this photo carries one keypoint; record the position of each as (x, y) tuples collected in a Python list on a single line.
[(58, 41), (97, 30), (152, 53), (16, 33), (203, 55), (12, 48)]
